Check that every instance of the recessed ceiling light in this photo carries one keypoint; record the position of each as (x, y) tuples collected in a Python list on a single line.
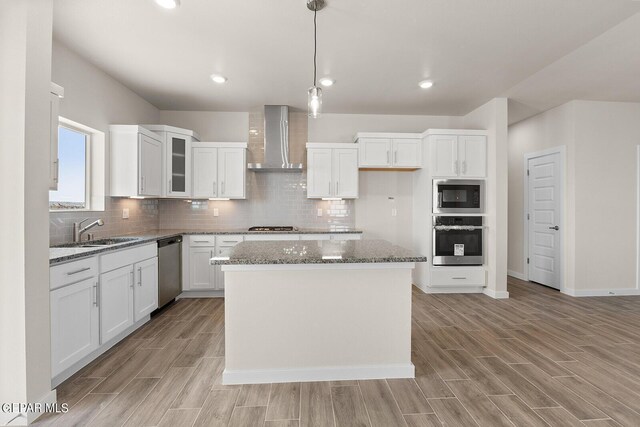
[(425, 84), (218, 78), (168, 4), (326, 81)]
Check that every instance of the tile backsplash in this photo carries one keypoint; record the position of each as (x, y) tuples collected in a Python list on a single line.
[(143, 215), (272, 199)]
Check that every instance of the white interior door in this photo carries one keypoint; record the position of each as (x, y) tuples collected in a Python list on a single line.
[(544, 214)]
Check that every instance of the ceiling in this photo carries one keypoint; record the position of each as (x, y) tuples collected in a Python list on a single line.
[(377, 51)]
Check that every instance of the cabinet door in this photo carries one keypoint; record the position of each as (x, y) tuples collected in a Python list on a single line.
[(345, 173), (74, 324), (374, 152), (472, 154), (407, 153), (54, 163), (444, 155), (223, 251), (205, 172), (319, 179), (145, 295), (201, 272), (116, 302), (231, 173), (178, 154), (150, 167)]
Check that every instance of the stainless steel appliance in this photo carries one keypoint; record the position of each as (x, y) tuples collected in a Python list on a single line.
[(458, 196), (273, 228), (169, 269), (276, 142), (457, 240)]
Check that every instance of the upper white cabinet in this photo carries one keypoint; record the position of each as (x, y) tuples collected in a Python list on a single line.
[(332, 171), (136, 162), (219, 170), (389, 151), (57, 92), (458, 155), (176, 160)]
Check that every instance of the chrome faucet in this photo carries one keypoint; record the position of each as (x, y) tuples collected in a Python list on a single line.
[(77, 231)]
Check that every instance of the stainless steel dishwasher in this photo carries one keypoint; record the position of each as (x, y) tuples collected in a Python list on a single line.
[(169, 269)]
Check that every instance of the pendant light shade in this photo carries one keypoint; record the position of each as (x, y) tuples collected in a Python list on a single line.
[(315, 102)]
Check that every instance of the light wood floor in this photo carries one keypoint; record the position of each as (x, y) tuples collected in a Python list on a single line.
[(540, 358)]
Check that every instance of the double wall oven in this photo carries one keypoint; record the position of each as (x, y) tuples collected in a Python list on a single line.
[(458, 239)]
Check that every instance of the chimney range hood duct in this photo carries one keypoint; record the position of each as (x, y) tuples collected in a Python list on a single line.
[(276, 142)]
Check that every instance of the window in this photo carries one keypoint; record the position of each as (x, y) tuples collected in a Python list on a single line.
[(74, 177)]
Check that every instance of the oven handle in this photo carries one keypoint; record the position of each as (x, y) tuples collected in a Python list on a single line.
[(457, 227)]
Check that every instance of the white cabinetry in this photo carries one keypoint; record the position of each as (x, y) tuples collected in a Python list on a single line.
[(116, 300), (74, 313), (176, 159), (389, 151), (57, 92), (145, 294), (136, 162), (219, 170), (332, 171), (202, 275), (462, 156)]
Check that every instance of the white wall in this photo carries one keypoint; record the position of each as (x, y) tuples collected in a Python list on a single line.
[(492, 117), (210, 125), (25, 74), (600, 238)]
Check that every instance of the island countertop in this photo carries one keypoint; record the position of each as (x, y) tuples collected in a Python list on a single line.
[(317, 252)]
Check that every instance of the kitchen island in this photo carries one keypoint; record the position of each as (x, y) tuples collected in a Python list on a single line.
[(317, 310)]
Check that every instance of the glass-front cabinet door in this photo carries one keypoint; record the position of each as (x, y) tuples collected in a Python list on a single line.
[(178, 165)]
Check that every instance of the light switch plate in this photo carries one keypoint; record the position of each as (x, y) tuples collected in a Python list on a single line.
[(216, 212), (319, 212), (125, 213)]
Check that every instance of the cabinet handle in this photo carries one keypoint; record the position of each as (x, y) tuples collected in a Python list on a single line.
[(464, 166), (458, 278), (139, 276), (215, 190), (95, 294), (388, 156), (71, 273), (211, 253), (200, 241), (170, 187), (329, 188), (455, 167), (223, 188), (395, 157), (337, 188), (133, 280)]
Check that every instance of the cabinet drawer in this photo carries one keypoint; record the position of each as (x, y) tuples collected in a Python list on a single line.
[(72, 272), (315, 237), (229, 241), (458, 277), (113, 260), (259, 237), (343, 236), (202, 240)]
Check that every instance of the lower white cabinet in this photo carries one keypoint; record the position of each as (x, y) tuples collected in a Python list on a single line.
[(74, 324), (201, 272), (116, 302), (145, 294), (458, 276)]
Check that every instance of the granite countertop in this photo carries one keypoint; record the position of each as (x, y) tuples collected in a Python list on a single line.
[(64, 253), (317, 252)]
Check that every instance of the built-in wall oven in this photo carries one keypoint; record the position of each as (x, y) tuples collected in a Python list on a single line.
[(457, 240), (458, 196)]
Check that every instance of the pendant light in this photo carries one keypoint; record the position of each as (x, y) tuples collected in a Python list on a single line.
[(314, 98)]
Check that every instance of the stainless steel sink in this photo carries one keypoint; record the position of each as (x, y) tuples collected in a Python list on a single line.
[(99, 243)]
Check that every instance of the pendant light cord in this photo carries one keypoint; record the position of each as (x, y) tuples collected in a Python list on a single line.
[(315, 42)]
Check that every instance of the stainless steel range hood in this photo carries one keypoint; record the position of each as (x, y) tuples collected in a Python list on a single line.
[(276, 142)]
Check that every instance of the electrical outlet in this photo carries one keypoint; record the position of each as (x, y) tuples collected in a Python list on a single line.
[(394, 212), (319, 212), (216, 212), (125, 213)]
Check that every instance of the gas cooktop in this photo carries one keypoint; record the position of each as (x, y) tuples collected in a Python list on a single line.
[(273, 228)]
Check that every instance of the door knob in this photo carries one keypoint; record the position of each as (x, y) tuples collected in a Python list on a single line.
[(554, 228)]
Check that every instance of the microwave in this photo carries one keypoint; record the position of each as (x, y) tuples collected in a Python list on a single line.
[(459, 196)]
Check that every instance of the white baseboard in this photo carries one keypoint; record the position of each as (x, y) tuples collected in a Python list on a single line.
[(517, 275), (600, 292), (453, 290), (496, 294), (201, 294), (338, 373)]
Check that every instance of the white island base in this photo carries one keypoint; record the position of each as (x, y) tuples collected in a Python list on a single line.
[(317, 322)]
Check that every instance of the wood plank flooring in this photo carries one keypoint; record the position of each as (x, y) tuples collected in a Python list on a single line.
[(539, 358)]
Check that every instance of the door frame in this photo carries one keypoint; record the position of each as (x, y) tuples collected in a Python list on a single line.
[(562, 151)]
